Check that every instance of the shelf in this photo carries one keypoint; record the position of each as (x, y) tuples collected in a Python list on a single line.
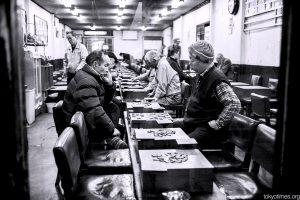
[(33, 44)]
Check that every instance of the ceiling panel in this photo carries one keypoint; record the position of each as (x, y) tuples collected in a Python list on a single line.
[(103, 13)]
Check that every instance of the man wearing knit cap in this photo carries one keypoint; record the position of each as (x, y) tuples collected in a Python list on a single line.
[(212, 103), (166, 84)]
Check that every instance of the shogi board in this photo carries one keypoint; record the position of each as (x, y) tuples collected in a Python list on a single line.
[(150, 120), (132, 94), (194, 175), (164, 138), (144, 107), (132, 86)]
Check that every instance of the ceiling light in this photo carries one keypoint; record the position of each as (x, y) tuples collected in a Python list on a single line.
[(80, 17), (95, 32), (67, 3), (118, 28), (166, 11), (143, 28), (93, 28), (119, 18), (157, 18), (122, 3), (120, 12), (74, 11), (177, 3)]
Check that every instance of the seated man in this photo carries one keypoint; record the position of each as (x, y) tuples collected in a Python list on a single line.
[(212, 103), (166, 84), (224, 64), (91, 92), (173, 61)]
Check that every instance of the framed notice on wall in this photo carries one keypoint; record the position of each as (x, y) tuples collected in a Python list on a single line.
[(41, 30)]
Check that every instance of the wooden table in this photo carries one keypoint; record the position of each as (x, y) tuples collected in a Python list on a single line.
[(144, 107), (238, 83), (245, 91), (133, 149)]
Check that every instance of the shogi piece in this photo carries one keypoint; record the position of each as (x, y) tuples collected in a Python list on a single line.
[(165, 138), (150, 120), (144, 107), (175, 169)]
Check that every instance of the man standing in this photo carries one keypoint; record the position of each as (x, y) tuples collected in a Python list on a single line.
[(166, 84), (91, 92), (176, 47), (212, 103), (74, 57), (224, 64)]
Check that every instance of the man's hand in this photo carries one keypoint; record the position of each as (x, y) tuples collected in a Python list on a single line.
[(213, 125), (116, 133), (107, 78)]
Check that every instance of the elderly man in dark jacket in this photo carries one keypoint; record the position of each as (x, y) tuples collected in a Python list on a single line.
[(91, 92)]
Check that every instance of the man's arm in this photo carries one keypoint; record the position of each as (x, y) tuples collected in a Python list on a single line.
[(231, 102), (83, 55), (89, 103)]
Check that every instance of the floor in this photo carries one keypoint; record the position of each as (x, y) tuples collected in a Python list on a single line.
[(42, 168)]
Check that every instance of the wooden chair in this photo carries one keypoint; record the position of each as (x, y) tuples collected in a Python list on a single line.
[(242, 131), (93, 156), (272, 84), (258, 180), (260, 106), (60, 125), (185, 94), (59, 117), (256, 80), (78, 185)]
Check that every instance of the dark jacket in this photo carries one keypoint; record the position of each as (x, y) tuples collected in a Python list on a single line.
[(203, 106), (174, 64), (88, 94)]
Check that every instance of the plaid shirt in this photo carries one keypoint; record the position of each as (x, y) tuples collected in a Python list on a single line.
[(231, 102)]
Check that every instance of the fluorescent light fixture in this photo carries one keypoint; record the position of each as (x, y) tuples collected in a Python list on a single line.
[(118, 28), (166, 11), (74, 11), (122, 3), (80, 17), (120, 12), (157, 18), (177, 3), (93, 28), (143, 28), (67, 3), (95, 32), (119, 18)]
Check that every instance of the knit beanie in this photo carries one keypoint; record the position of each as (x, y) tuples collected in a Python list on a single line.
[(202, 51)]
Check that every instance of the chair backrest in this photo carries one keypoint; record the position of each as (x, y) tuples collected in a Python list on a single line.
[(256, 80), (261, 106), (272, 84), (264, 147), (242, 131), (59, 117), (67, 159), (81, 131)]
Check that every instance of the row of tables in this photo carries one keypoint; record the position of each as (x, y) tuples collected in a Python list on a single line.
[(163, 158)]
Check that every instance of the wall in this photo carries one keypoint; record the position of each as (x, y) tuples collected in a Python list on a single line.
[(133, 47), (251, 48), (56, 45), (224, 40), (167, 38), (185, 28)]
